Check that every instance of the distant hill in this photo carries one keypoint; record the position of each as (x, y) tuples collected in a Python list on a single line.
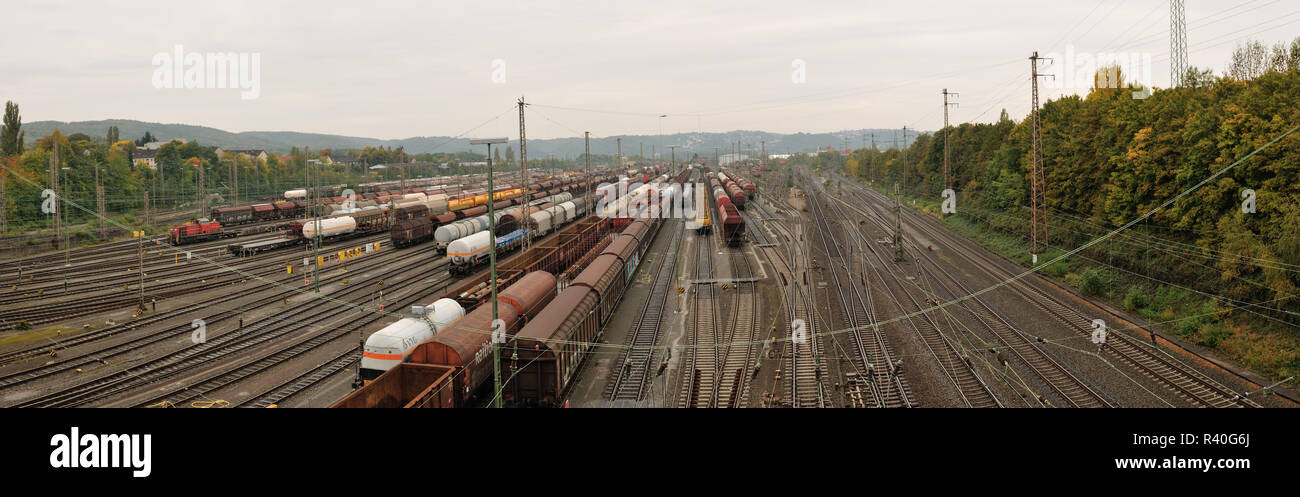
[(282, 141)]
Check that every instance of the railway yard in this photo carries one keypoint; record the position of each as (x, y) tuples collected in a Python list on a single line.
[(766, 294)]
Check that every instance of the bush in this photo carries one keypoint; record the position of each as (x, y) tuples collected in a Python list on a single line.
[(1135, 299), (1091, 283), (84, 237), (1211, 335)]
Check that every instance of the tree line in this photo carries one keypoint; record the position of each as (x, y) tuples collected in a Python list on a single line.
[(1109, 158)]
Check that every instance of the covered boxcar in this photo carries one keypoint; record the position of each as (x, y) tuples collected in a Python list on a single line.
[(731, 224), (553, 345), (228, 216), (411, 232)]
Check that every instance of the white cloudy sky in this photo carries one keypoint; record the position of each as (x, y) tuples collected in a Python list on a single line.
[(390, 69)]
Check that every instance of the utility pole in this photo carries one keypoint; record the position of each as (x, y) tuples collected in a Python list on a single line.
[(523, 165), (58, 196), (313, 177), (140, 268), (903, 154), (716, 163), (1177, 43), (947, 172), (1037, 203), (620, 152), (4, 203), (898, 226), (673, 165), (148, 216), (203, 196), (492, 261), (873, 158), (641, 154), (586, 155)]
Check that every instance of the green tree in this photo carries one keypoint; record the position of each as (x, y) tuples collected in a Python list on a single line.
[(11, 135)]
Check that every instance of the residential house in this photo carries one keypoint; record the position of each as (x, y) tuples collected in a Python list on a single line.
[(145, 157)]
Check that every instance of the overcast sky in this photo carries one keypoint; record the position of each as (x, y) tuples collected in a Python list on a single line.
[(389, 69)]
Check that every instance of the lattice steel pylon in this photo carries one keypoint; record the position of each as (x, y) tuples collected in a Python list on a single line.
[(523, 162), (1037, 202), (1177, 43), (947, 171)]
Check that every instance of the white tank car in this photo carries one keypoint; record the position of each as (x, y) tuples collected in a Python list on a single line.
[(449, 232), (394, 343), (541, 222), (417, 197), (462, 250), (723, 177), (329, 226), (295, 194)]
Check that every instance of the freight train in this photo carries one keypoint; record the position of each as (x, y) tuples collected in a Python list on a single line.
[(394, 343), (466, 344), (328, 229), (472, 251), (553, 345)]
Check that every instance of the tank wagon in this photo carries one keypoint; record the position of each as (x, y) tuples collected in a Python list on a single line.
[(466, 344), (469, 252), (394, 343)]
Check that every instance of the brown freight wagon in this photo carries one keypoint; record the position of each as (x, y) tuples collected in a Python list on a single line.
[(411, 232), (552, 347), (263, 212), (471, 212), (412, 211), (466, 343), (371, 221), (607, 276), (444, 218), (232, 215), (287, 210), (408, 385)]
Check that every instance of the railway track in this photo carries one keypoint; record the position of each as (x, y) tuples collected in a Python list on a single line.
[(783, 273), (285, 353), (1072, 390), (703, 357), (230, 345), (740, 343), (156, 337), (802, 375), (630, 381), (1183, 380), (186, 280), (873, 357), (124, 251), (291, 387)]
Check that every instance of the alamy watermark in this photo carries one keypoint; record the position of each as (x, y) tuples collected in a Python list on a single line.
[(194, 70), (1076, 70)]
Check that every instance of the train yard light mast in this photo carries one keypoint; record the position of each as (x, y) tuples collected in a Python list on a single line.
[(492, 262)]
